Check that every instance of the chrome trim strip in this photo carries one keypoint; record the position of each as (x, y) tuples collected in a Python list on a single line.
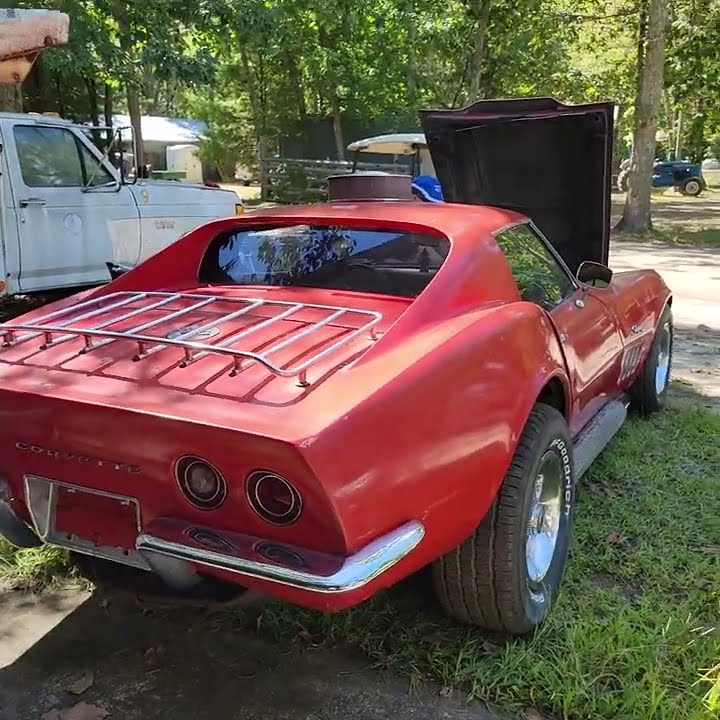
[(357, 570)]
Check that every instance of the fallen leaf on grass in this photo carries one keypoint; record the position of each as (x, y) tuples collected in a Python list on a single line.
[(532, 714), (304, 637), (445, 691), (710, 549), (614, 537), (152, 655), (82, 683), (81, 711)]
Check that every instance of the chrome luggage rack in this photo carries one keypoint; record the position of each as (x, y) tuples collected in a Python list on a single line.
[(59, 326)]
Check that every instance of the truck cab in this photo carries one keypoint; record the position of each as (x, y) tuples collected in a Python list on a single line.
[(66, 211)]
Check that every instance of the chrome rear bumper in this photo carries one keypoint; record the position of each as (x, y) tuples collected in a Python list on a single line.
[(324, 574), (174, 549)]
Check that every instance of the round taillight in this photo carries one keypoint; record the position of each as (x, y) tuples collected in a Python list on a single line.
[(273, 497), (201, 483)]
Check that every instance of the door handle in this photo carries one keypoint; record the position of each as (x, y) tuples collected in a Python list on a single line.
[(32, 201)]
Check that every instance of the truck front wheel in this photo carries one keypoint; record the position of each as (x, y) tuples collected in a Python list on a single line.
[(505, 576)]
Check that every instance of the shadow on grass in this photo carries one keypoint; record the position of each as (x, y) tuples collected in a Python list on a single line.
[(677, 220), (707, 237)]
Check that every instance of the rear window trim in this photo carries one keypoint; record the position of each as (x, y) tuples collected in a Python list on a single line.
[(246, 224)]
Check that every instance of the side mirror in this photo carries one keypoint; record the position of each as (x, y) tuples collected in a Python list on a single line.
[(116, 269), (595, 274)]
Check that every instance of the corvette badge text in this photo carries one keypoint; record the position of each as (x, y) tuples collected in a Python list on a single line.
[(73, 457)]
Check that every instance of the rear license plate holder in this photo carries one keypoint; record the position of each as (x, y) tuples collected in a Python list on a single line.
[(71, 516)]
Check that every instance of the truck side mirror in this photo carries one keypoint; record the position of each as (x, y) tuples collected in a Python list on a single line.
[(116, 269), (595, 274)]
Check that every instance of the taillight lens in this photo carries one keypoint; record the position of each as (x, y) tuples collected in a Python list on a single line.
[(273, 498), (201, 482)]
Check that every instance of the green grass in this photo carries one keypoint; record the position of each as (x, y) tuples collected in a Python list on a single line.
[(32, 567), (696, 235), (636, 624), (635, 631)]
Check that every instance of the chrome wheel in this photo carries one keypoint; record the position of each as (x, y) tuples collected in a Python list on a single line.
[(544, 518), (662, 368)]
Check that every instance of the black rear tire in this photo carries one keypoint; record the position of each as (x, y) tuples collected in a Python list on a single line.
[(649, 391), (486, 581), (692, 186)]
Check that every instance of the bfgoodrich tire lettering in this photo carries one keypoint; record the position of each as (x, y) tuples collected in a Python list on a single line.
[(488, 580)]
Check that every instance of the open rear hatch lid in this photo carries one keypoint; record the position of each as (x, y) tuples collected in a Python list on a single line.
[(547, 160)]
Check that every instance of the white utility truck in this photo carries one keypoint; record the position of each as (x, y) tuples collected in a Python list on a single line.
[(66, 211)]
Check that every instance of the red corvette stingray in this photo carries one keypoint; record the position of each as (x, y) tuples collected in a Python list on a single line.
[(317, 401)]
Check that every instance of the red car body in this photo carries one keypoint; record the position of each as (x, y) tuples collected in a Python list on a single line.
[(395, 441)]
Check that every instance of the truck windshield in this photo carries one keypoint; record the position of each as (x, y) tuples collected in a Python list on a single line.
[(392, 262)]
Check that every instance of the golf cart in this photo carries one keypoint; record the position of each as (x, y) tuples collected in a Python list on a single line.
[(424, 184)]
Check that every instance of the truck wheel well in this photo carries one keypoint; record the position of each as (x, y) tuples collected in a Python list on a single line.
[(553, 394)]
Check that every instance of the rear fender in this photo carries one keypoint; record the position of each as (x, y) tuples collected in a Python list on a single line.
[(434, 443), (638, 299)]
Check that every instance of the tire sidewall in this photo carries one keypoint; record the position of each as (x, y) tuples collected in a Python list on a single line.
[(693, 182), (654, 400), (537, 599)]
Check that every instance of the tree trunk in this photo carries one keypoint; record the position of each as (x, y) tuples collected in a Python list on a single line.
[(93, 107), (296, 80), (636, 215), (253, 96), (411, 73), (262, 162), (10, 98), (337, 126), (132, 84), (696, 135), (616, 139), (59, 95), (481, 13), (108, 113), (133, 102)]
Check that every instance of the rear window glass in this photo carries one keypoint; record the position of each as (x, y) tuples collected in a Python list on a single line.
[(393, 262)]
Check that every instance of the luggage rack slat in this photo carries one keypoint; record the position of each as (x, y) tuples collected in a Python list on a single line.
[(112, 321), (193, 350), (84, 316), (131, 334)]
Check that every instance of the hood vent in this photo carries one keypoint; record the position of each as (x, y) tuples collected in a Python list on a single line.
[(369, 186)]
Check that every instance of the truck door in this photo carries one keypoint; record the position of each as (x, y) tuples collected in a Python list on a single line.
[(73, 215)]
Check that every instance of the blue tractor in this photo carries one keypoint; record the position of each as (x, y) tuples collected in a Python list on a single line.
[(682, 175)]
